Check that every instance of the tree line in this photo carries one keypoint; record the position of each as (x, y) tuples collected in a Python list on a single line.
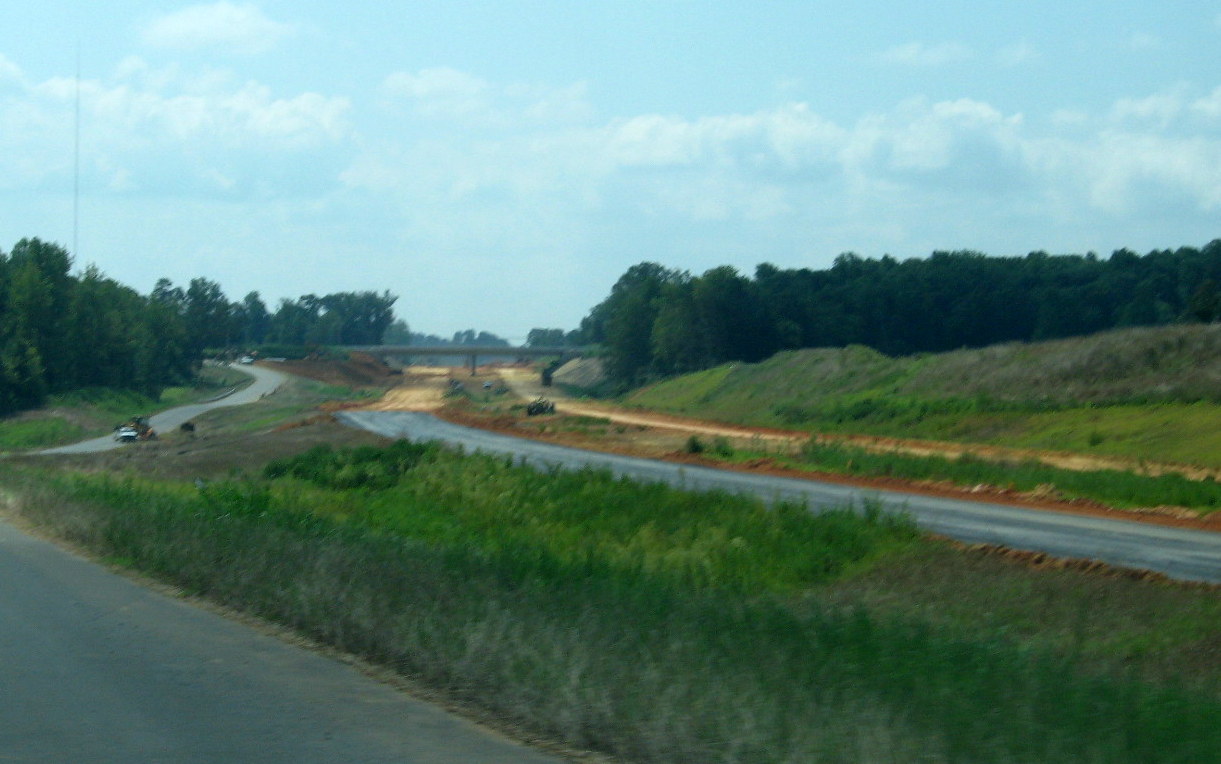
[(61, 331), (659, 321), (212, 321)]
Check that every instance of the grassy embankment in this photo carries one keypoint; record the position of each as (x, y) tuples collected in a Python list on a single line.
[(1148, 395), (659, 625), (81, 414)]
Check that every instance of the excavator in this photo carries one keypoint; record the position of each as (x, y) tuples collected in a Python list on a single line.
[(135, 429)]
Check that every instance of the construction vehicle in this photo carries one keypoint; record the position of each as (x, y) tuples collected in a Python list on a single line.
[(134, 429), (539, 407)]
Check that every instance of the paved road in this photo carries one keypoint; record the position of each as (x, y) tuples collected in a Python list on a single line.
[(1183, 554), (94, 668), (266, 381)]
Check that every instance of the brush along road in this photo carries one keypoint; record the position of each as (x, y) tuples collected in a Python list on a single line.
[(1179, 553), (100, 669)]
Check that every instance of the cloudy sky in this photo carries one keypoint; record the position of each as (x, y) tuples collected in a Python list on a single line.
[(499, 164)]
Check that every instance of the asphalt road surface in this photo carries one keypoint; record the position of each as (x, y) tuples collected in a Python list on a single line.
[(1179, 553), (266, 381), (95, 668)]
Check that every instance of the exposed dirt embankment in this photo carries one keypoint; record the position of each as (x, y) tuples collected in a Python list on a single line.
[(360, 370), (647, 434)]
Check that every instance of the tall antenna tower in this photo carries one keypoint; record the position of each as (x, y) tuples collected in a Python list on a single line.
[(76, 158)]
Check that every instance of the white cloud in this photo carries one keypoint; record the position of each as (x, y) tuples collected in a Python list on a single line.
[(146, 129), (787, 137), (442, 93), (922, 55), (235, 116), (1209, 106), (223, 25), (1132, 171), (9, 72), (1144, 41), (1159, 108), (1017, 54), (788, 162), (1069, 118)]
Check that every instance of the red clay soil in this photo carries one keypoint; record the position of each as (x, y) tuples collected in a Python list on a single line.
[(1168, 516), (360, 370)]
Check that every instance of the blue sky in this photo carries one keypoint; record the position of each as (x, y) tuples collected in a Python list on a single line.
[(499, 164)]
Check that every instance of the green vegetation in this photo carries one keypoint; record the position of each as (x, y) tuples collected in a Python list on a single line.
[(477, 502), (89, 412), (659, 321), (1111, 487), (659, 625), (20, 434), (1143, 394), (61, 332)]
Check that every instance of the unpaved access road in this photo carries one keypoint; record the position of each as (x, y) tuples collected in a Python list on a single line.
[(1190, 555)]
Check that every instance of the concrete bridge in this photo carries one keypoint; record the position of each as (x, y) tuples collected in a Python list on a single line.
[(472, 353)]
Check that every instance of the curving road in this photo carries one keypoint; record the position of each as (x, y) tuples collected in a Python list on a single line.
[(1179, 553), (96, 668), (266, 382)]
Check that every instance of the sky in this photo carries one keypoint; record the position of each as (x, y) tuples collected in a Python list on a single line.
[(499, 164)]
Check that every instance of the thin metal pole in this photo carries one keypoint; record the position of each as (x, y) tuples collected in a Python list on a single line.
[(76, 170)]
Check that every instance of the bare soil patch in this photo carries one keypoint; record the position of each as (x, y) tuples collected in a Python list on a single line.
[(360, 370), (663, 436)]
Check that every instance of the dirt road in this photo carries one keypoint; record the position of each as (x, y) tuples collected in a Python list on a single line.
[(528, 385)]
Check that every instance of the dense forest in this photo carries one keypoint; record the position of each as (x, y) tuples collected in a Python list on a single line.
[(659, 321), (342, 318), (61, 331), (399, 334)]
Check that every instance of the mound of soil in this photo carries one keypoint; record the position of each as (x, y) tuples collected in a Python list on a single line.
[(360, 370)]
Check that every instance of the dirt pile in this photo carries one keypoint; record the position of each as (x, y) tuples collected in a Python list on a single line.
[(360, 370), (581, 373)]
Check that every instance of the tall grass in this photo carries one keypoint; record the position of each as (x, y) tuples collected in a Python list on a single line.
[(37, 433), (712, 539), (1143, 393), (525, 606)]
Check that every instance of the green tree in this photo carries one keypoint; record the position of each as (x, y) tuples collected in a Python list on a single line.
[(678, 345), (627, 317), (42, 291), (546, 338), (1205, 303), (398, 333), (209, 316), (253, 319)]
